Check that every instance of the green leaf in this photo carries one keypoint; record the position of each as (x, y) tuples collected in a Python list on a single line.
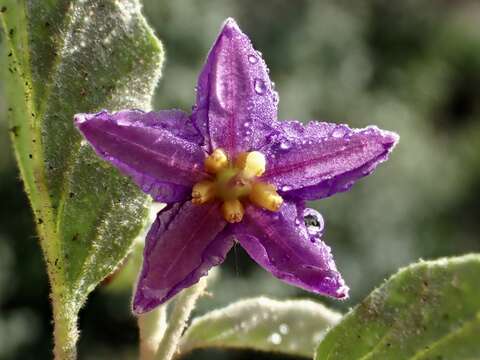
[(67, 57), (291, 327), (429, 310)]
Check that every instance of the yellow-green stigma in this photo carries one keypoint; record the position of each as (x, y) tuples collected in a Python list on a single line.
[(235, 182)]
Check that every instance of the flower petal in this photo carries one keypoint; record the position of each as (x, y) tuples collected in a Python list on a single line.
[(184, 242), (320, 159), (159, 150), (283, 245), (235, 100)]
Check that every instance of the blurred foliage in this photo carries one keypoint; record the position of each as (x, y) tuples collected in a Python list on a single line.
[(410, 66)]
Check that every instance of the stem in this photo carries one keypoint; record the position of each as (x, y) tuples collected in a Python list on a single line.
[(65, 330), (32, 170), (152, 326), (184, 304)]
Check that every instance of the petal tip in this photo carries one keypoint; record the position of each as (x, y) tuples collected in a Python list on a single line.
[(137, 310), (79, 119), (138, 299), (393, 138), (342, 292), (142, 304), (230, 29), (230, 23), (389, 139)]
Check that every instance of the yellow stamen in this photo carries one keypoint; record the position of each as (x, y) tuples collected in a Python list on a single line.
[(252, 163), (203, 191), (265, 196), (216, 161), (235, 182), (233, 211)]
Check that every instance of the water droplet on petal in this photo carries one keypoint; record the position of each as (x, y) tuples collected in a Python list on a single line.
[(276, 98), (338, 132), (314, 222), (286, 188), (285, 145), (259, 86), (252, 59)]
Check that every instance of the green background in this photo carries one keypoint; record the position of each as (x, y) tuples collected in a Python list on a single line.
[(412, 67)]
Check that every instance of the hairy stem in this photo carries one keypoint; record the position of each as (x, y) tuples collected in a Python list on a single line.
[(184, 304), (65, 330), (152, 326)]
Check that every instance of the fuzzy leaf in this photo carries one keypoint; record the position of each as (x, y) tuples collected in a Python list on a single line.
[(67, 57), (429, 310), (291, 327)]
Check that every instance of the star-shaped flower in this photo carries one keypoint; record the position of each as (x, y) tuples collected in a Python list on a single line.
[(231, 172)]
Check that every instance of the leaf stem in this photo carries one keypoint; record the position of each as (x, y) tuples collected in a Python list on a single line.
[(184, 304), (152, 326), (65, 330)]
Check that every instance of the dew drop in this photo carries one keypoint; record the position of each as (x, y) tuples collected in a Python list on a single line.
[(252, 59), (283, 328), (259, 86), (314, 222), (275, 338), (338, 132), (285, 145), (276, 98), (286, 188)]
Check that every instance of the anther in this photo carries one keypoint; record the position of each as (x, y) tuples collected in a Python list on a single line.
[(203, 191), (265, 196), (252, 163), (216, 161), (233, 211)]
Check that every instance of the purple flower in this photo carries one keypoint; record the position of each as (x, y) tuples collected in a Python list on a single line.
[(230, 172)]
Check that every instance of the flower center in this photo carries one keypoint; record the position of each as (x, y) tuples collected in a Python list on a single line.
[(235, 182)]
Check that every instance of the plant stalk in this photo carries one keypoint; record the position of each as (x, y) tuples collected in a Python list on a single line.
[(65, 330), (183, 307), (152, 327)]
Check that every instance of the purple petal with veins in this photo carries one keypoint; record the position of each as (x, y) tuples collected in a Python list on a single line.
[(159, 151), (320, 159), (183, 244), (282, 244), (236, 104)]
